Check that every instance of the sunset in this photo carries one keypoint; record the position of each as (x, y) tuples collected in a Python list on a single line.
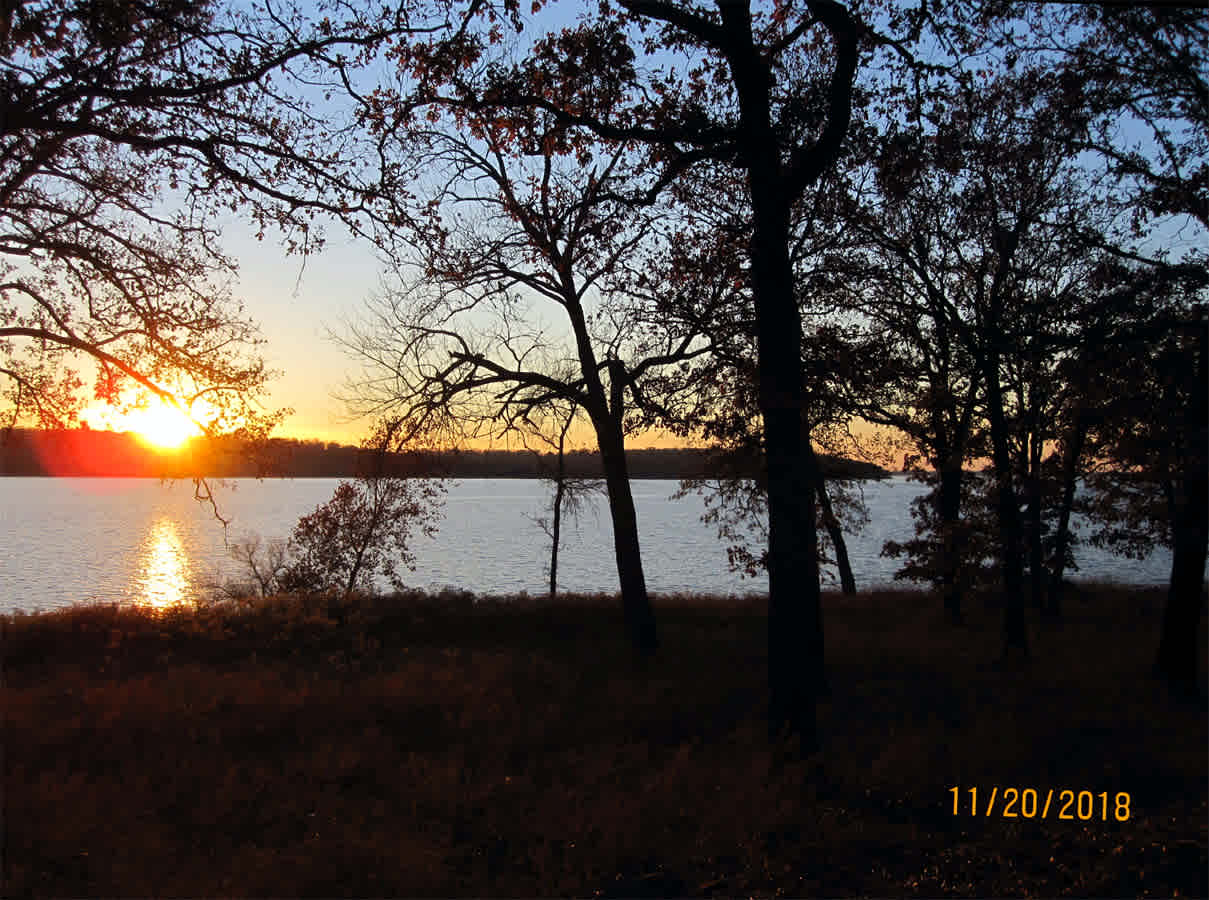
[(156, 422), (645, 448)]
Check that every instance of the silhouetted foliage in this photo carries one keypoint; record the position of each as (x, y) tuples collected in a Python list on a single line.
[(362, 534), (126, 130), (364, 530), (517, 219)]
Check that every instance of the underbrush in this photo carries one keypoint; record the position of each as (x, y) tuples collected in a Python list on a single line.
[(450, 745)]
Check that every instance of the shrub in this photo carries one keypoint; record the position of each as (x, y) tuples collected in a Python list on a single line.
[(364, 531)]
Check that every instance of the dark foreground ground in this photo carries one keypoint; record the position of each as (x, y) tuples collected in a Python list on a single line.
[(443, 748)]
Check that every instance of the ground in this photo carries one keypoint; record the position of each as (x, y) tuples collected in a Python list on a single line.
[(448, 746)]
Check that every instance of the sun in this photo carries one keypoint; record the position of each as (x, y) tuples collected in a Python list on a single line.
[(160, 425), (156, 423)]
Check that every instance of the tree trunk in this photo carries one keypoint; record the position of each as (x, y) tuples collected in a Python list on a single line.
[(847, 582), (1015, 635), (1070, 471), (375, 514), (639, 616), (795, 632), (555, 526), (1180, 641), (949, 503), (1036, 557), (795, 625)]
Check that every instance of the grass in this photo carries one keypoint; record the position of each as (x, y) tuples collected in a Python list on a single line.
[(447, 746)]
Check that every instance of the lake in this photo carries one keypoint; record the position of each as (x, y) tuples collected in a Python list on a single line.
[(141, 540)]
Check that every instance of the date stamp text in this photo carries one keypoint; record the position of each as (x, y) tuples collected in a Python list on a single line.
[(1029, 803)]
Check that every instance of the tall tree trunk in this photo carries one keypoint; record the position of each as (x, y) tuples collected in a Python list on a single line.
[(639, 616), (1070, 472), (949, 508), (795, 624), (1176, 659), (847, 582), (1180, 641), (795, 628), (556, 524), (1036, 556), (1015, 636)]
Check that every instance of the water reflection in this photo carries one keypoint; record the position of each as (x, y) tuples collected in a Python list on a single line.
[(164, 565)]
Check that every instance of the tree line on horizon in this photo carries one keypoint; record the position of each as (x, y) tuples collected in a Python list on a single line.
[(980, 225), (89, 452)]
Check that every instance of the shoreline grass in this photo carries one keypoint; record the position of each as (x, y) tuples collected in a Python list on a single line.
[(450, 745)]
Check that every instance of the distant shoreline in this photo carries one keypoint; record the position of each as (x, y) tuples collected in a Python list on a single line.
[(105, 454)]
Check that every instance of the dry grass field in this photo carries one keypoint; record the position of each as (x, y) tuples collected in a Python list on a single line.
[(453, 746)]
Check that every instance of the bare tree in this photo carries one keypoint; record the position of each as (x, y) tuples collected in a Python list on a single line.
[(264, 565), (501, 235), (571, 494)]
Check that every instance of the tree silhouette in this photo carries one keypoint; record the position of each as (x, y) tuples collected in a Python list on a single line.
[(1156, 450), (514, 222), (362, 533), (570, 493), (126, 129)]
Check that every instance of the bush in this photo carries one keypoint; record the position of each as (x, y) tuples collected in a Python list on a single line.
[(364, 531)]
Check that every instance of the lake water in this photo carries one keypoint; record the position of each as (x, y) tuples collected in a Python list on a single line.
[(64, 540)]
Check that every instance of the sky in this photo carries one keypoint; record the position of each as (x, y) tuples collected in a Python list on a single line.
[(297, 304)]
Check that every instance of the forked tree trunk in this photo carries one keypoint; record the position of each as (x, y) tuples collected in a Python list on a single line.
[(795, 625), (1070, 471), (847, 581)]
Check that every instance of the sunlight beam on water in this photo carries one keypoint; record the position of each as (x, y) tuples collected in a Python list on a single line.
[(164, 580)]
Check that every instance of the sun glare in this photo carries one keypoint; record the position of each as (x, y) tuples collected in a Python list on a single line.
[(161, 426), (156, 424)]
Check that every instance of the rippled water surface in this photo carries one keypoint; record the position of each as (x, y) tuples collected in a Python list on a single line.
[(77, 539)]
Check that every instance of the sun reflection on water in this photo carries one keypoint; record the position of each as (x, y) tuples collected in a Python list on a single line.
[(165, 581)]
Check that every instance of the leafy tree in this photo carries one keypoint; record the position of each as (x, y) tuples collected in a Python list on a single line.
[(1126, 72), (125, 130), (985, 268), (766, 92), (366, 528), (703, 280), (1153, 436), (1143, 66), (974, 532), (364, 531), (902, 279)]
